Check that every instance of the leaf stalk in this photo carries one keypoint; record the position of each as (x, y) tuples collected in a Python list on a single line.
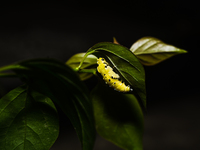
[(85, 56)]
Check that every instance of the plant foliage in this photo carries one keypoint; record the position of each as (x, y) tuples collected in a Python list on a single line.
[(28, 117)]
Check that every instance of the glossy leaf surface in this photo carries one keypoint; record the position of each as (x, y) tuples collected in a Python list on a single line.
[(151, 51), (118, 118), (126, 64), (28, 120), (60, 83), (89, 62)]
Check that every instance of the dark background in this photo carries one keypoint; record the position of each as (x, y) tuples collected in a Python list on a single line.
[(61, 29)]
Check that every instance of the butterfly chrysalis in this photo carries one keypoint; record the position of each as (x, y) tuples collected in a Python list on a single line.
[(110, 77)]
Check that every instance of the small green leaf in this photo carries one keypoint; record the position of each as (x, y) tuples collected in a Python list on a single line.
[(118, 117), (89, 63), (60, 83), (75, 60), (151, 51), (126, 63), (28, 120)]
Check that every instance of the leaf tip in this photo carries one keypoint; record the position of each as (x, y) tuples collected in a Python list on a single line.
[(115, 41), (183, 51)]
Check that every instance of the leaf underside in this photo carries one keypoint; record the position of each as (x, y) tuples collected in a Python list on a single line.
[(126, 64)]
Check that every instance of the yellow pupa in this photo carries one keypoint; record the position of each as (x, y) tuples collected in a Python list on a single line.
[(110, 77)]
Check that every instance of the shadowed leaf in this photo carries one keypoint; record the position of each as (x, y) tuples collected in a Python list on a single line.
[(60, 83), (118, 117), (28, 120)]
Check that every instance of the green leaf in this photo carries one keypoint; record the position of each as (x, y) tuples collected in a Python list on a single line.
[(60, 83), (89, 62), (151, 51), (118, 118), (125, 63), (28, 120)]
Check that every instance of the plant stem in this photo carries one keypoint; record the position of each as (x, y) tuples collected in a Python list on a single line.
[(4, 68), (93, 71), (78, 68), (8, 75), (12, 66)]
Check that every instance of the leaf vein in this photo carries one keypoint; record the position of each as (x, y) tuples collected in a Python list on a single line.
[(142, 45), (36, 134), (11, 101), (153, 44)]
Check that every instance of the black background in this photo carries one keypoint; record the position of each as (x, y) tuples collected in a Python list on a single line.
[(61, 29)]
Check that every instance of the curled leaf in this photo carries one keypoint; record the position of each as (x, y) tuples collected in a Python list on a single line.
[(126, 64), (88, 63)]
